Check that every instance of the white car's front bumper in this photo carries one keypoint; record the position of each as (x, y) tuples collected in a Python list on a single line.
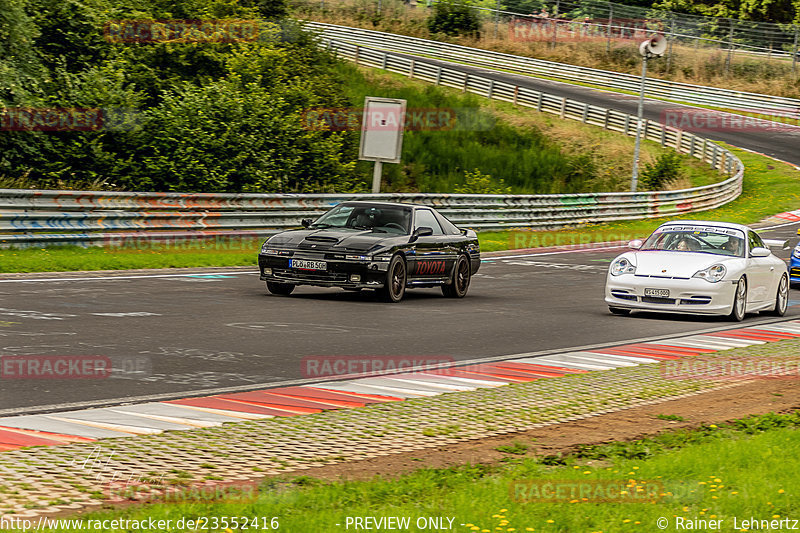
[(693, 295)]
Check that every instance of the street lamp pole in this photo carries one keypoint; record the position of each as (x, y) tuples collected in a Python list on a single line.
[(653, 47), (639, 113)]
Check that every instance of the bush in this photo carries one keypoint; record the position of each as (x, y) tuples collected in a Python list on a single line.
[(454, 18), (666, 169), (478, 183)]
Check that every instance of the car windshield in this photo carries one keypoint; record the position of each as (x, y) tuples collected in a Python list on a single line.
[(380, 219), (697, 239)]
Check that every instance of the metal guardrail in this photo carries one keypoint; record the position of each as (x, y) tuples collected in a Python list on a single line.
[(34, 217), (656, 88)]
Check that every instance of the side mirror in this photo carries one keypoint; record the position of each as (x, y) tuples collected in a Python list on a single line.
[(422, 231), (635, 244), (306, 222), (760, 252)]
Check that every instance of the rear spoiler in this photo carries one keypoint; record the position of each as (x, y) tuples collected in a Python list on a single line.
[(777, 243)]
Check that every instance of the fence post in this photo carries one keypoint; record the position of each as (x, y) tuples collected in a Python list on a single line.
[(439, 76), (355, 59), (794, 50), (670, 39), (411, 69), (730, 49), (496, 19), (491, 90), (516, 93), (605, 119), (539, 102), (610, 22), (563, 107), (555, 23), (466, 82)]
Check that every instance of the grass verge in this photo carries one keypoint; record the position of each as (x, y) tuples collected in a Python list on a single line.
[(738, 470)]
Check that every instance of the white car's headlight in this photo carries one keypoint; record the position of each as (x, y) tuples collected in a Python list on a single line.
[(796, 251), (622, 266), (712, 274)]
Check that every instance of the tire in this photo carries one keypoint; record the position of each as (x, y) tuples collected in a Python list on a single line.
[(619, 311), (281, 289), (394, 287), (739, 303), (781, 297), (459, 281)]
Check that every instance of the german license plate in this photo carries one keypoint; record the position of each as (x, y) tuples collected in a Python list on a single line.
[(308, 265), (658, 293)]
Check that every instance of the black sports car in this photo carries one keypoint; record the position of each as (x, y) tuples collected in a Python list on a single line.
[(373, 245)]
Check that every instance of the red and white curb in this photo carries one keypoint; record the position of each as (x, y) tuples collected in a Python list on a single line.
[(792, 216), (189, 413)]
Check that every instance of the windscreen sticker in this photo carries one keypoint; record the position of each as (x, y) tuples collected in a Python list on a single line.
[(701, 229)]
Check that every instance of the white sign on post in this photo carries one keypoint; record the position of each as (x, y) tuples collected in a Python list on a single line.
[(382, 128)]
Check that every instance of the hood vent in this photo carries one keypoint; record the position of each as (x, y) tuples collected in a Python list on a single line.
[(320, 238)]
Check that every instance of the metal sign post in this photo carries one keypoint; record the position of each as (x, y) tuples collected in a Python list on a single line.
[(382, 126)]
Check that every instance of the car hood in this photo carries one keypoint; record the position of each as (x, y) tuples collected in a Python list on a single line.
[(674, 264), (327, 239)]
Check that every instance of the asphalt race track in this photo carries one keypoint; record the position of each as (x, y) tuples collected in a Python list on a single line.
[(175, 335)]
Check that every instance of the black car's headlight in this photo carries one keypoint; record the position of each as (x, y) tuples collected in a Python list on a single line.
[(622, 266), (268, 249), (712, 274), (357, 257)]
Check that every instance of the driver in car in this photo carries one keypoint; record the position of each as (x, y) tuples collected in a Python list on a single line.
[(733, 245)]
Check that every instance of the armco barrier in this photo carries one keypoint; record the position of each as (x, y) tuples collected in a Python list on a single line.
[(36, 217), (656, 88)]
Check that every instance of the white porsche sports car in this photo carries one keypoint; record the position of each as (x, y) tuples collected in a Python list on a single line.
[(708, 268)]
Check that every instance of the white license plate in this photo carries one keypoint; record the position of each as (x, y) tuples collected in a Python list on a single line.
[(658, 293), (308, 265)]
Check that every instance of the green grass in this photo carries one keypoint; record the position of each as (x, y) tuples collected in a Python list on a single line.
[(220, 253), (522, 150), (743, 469)]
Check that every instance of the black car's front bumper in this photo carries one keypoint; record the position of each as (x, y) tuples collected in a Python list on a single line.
[(339, 273)]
